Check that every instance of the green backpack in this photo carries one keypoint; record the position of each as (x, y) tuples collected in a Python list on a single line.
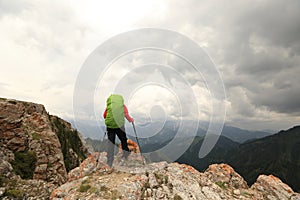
[(115, 111)]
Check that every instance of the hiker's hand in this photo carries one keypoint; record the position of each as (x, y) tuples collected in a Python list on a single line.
[(132, 120)]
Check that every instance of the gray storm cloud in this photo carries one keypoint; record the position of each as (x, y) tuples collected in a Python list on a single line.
[(254, 44)]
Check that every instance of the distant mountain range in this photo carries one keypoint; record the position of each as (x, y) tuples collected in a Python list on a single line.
[(221, 150), (166, 131), (242, 135), (277, 154)]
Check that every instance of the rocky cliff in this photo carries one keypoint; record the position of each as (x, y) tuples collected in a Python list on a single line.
[(36, 149), (95, 180)]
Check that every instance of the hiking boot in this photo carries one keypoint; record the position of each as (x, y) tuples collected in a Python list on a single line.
[(110, 163), (111, 170)]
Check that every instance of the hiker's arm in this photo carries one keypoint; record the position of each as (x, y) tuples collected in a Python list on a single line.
[(104, 114), (130, 119)]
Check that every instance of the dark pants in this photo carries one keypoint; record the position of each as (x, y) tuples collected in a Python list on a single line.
[(111, 133)]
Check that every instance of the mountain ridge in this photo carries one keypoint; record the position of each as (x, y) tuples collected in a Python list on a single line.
[(37, 150), (285, 160), (278, 154), (93, 179)]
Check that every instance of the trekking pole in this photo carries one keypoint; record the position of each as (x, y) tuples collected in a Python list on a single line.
[(99, 151), (138, 143)]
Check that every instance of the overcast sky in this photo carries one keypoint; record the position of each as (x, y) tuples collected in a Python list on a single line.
[(255, 46)]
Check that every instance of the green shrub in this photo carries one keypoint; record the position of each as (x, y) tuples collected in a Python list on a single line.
[(85, 181), (177, 197), (221, 184), (12, 102), (84, 188), (69, 139), (161, 178), (103, 188), (35, 136), (93, 190), (14, 193), (24, 164), (115, 194), (3, 180)]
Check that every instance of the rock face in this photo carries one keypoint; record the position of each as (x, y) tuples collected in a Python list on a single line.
[(73, 146), (271, 186), (31, 145), (95, 180)]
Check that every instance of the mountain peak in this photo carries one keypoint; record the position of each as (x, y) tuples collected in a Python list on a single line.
[(93, 179)]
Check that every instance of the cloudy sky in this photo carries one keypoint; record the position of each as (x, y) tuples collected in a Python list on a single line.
[(254, 45)]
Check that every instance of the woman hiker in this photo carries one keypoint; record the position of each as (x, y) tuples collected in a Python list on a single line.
[(114, 115)]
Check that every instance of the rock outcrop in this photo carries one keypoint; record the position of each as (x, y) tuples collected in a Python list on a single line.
[(73, 146), (95, 180), (31, 147)]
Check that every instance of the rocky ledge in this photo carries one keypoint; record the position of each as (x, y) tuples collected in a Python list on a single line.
[(36, 150), (93, 179)]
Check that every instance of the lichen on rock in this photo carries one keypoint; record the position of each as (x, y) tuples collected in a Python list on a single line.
[(164, 180)]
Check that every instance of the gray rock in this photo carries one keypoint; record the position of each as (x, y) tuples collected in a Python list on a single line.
[(168, 181), (2, 191)]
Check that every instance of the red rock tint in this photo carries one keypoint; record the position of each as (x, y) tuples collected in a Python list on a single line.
[(26, 129)]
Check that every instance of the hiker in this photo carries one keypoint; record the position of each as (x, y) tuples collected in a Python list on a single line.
[(114, 115)]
